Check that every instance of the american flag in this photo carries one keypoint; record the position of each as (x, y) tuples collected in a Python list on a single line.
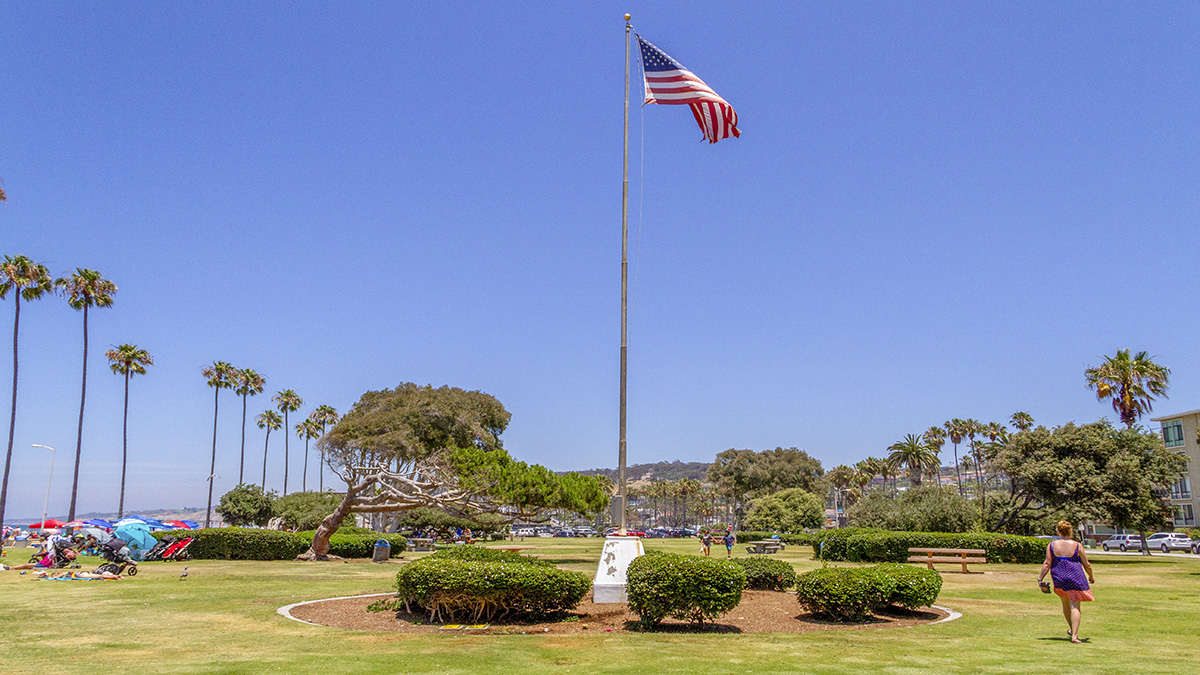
[(668, 82)]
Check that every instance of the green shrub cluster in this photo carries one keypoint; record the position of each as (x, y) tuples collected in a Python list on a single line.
[(687, 587), (767, 574), (477, 583), (880, 546), (792, 539), (239, 543), (853, 594)]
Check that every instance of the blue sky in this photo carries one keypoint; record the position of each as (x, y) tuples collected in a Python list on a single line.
[(935, 210)]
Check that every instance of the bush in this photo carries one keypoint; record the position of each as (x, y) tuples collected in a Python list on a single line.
[(790, 510), (853, 594), (767, 574), (687, 587), (246, 505), (881, 546), (475, 583), (237, 543), (931, 508), (912, 587)]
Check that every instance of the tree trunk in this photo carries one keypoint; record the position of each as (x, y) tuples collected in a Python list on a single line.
[(304, 476), (242, 460), (286, 437), (213, 468), (12, 420), (124, 446), (957, 474), (1145, 546), (319, 550), (79, 434), (266, 444)]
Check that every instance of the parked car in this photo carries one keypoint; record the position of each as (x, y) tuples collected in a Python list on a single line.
[(1123, 542), (1169, 541), (564, 533), (525, 532), (1196, 547), (584, 532)]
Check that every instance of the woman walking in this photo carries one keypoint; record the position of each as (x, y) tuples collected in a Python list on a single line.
[(1066, 562)]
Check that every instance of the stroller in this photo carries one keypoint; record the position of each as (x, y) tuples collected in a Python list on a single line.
[(117, 555), (156, 552), (62, 560), (178, 550)]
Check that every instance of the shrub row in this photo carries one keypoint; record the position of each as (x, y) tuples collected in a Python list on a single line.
[(474, 582), (687, 587), (861, 544), (767, 574), (853, 594), (239, 543)]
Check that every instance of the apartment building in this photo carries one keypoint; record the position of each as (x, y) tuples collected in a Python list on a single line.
[(1179, 434)]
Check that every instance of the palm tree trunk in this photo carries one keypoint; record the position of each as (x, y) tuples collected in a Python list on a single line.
[(79, 434), (242, 461), (304, 476), (124, 446), (321, 466), (12, 420), (266, 444), (957, 475), (212, 469), (286, 437)]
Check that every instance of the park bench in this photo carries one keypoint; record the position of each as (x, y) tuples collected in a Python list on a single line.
[(510, 549), (417, 545), (766, 547), (961, 556)]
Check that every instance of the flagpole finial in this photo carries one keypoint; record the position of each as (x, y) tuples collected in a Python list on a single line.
[(627, 17)]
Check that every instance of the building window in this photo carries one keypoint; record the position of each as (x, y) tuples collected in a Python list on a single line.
[(1173, 433), (1184, 516), (1182, 489)]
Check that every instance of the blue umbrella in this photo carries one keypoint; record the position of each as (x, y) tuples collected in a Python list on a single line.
[(99, 522), (137, 538), (192, 524)]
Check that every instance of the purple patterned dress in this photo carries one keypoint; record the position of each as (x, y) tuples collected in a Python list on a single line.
[(1070, 581)]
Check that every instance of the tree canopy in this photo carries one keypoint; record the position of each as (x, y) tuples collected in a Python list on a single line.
[(246, 505), (791, 510), (420, 446)]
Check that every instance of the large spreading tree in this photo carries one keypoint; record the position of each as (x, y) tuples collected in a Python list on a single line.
[(743, 475), (414, 446)]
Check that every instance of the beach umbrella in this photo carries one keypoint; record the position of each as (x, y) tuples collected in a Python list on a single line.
[(137, 537), (192, 525), (75, 523), (178, 524), (48, 523), (99, 522), (100, 534), (129, 520)]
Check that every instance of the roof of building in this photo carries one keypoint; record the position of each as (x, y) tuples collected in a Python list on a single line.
[(1164, 418)]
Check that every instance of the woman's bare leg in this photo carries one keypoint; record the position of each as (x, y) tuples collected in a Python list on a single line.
[(1067, 612), (1075, 616)]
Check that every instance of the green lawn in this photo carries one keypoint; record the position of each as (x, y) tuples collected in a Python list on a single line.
[(222, 620)]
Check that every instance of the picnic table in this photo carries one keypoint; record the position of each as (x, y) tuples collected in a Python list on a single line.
[(765, 546), (510, 549), (961, 556), (418, 544)]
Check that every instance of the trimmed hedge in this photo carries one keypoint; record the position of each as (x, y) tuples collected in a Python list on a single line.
[(863, 544), (853, 594), (687, 587), (240, 543), (767, 574), (474, 582)]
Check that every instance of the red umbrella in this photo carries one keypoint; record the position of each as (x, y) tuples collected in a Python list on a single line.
[(52, 522), (177, 523)]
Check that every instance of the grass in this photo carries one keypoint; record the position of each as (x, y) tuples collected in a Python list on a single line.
[(222, 619)]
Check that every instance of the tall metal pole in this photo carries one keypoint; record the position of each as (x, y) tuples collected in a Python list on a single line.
[(624, 285), (46, 504)]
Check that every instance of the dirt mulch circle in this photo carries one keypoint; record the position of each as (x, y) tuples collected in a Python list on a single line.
[(759, 612)]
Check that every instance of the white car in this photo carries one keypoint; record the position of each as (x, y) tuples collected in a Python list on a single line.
[(524, 532), (1169, 541)]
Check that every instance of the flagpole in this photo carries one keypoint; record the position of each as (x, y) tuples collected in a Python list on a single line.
[(624, 288)]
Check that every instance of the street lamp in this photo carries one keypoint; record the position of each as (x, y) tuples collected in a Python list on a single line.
[(46, 504)]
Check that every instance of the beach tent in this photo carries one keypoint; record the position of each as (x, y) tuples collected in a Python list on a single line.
[(137, 538)]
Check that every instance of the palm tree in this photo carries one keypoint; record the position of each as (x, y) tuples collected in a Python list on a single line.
[(127, 360), (325, 415), (219, 376), (308, 430), (271, 421), (249, 383), (688, 487), (915, 454), (30, 281), (974, 428), (84, 289), (935, 438), (956, 429), (1131, 382), (1023, 421), (288, 401)]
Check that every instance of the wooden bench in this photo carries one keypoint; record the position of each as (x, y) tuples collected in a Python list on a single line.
[(961, 556), (418, 545), (510, 549), (766, 547)]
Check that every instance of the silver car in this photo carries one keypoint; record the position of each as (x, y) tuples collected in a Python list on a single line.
[(1124, 542), (1169, 541)]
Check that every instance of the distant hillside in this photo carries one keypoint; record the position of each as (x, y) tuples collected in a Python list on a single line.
[(658, 470)]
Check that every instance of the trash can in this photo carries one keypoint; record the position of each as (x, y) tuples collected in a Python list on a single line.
[(383, 551)]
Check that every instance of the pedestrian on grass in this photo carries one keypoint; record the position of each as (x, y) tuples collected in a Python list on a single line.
[(729, 541), (706, 543), (1067, 563)]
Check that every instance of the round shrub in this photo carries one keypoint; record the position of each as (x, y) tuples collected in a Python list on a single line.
[(767, 574), (687, 587), (912, 587), (843, 594), (478, 584)]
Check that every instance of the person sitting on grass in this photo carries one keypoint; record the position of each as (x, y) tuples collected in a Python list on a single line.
[(46, 562)]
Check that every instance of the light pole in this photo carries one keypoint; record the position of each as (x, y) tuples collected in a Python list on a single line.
[(46, 504)]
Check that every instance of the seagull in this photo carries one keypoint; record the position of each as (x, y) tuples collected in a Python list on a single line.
[(184, 575), (212, 476)]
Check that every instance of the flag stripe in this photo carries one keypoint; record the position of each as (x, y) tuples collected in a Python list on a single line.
[(667, 82)]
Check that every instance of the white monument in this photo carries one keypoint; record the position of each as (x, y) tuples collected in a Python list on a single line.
[(618, 552)]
